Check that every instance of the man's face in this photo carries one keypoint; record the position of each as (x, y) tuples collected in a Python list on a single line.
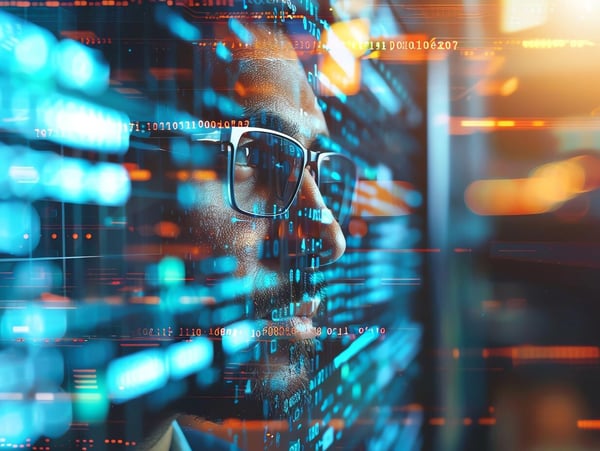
[(274, 92)]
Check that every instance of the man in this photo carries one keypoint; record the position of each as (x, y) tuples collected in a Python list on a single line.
[(267, 213), (263, 218)]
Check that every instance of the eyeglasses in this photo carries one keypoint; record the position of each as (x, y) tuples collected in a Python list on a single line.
[(265, 170)]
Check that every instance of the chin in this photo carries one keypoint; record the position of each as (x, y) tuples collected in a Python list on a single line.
[(282, 375)]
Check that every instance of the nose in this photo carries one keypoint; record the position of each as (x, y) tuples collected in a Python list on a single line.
[(315, 225)]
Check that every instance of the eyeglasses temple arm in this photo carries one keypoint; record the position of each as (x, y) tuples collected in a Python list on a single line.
[(211, 136)]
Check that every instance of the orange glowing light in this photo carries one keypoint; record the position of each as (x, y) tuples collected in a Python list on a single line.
[(88, 236), (487, 421), (136, 174), (140, 175), (590, 167), (149, 252), (358, 227), (340, 66), (75, 236), (509, 87), (240, 89), (588, 424), (200, 175), (494, 87), (50, 297), (564, 179), (508, 197), (478, 123), (204, 175), (546, 189), (148, 300), (345, 79), (382, 198), (166, 229), (350, 36), (526, 353), (468, 125), (505, 123)]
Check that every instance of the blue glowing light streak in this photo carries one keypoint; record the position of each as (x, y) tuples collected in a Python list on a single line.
[(146, 371), (177, 25), (19, 228), (241, 337), (189, 357), (381, 90), (240, 31), (26, 48), (35, 175), (134, 375), (34, 52), (79, 123), (357, 346), (223, 52), (62, 119), (33, 322), (79, 67)]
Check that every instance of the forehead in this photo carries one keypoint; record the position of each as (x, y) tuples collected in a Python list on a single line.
[(272, 83)]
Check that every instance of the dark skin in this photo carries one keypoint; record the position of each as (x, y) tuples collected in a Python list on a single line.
[(268, 81)]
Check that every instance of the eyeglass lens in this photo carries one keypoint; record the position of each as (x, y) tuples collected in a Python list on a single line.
[(267, 171), (336, 178)]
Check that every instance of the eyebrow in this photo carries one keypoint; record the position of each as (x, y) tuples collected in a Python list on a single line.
[(267, 118), (289, 128)]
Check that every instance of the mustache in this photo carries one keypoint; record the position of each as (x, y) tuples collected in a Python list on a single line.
[(299, 286)]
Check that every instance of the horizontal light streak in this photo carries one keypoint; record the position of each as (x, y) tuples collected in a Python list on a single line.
[(461, 125), (525, 354), (588, 424), (546, 188)]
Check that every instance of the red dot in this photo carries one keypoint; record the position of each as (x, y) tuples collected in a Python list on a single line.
[(88, 236), (358, 227), (54, 236), (75, 236)]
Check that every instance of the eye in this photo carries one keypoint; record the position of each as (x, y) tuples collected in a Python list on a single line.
[(247, 160), (247, 155)]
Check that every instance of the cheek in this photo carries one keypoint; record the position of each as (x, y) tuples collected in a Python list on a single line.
[(227, 233)]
